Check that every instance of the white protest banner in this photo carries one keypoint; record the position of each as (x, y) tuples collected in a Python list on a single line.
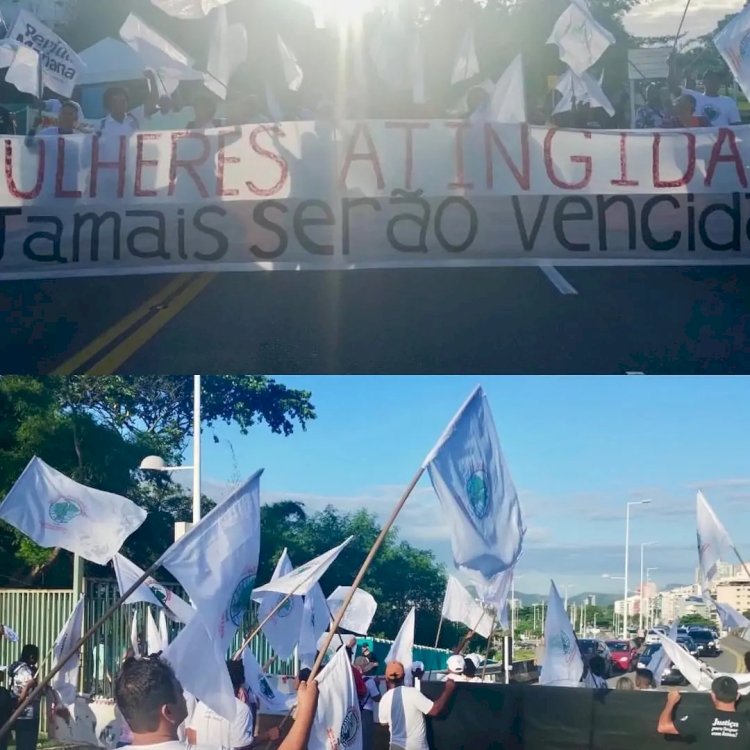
[(56, 511), (163, 629), (65, 682), (61, 66), (732, 44), (508, 101), (562, 664), (580, 39), (337, 723), (402, 648), (189, 9), (714, 542), (23, 72), (373, 194), (271, 701), (134, 634), (6, 631), (315, 622), (660, 660), (154, 643)]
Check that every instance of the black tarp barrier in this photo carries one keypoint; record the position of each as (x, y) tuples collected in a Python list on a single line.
[(532, 717)]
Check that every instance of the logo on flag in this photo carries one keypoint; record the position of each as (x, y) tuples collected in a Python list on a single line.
[(158, 591), (64, 510), (266, 689), (241, 599), (562, 643), (349, 727), (479, 496), (285, 608)]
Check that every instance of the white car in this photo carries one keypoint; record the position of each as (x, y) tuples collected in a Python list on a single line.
[(653, 635)]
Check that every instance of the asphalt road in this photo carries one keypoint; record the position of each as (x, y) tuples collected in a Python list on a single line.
[(505, 320)]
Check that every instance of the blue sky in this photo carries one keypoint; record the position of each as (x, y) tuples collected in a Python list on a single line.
[(578, 448)]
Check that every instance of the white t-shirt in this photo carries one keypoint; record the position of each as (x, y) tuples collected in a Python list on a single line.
[(372, 692), (109, 127), (455, 677), (215, 731), (720, 111), (403, 709), (173, 745)]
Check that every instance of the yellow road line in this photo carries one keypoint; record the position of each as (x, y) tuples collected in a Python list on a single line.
[(737, 655), (125, 350), (105, 339)]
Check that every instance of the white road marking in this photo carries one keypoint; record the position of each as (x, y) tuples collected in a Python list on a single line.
[(560, 282)]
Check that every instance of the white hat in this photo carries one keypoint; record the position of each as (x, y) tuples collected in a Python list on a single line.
[(476, 659), (417, 665), (456, 664)]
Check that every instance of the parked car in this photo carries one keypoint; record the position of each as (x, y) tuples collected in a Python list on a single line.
[(624, 654), (690, 645), (644, 658), (591, 647), (706, 641)]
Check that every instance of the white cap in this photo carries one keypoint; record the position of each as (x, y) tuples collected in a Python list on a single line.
[(476, 659), (415, 665), (456, 664)]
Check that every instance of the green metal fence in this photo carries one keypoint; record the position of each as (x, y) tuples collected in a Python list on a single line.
[(39, 615)]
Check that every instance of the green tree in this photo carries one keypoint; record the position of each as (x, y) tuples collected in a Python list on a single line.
[(696, 619), (97, 430)]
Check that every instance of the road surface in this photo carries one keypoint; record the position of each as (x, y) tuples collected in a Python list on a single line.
[(502, 320)]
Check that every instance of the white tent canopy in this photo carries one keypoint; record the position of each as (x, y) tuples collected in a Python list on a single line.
[(109, 61)]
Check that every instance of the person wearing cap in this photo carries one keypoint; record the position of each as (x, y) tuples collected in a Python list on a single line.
[(417, 673), (455, 666), (369, 655), (367, 704), (715, 729), (403, 710)]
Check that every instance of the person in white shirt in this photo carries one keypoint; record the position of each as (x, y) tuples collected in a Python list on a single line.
[(206, 727), (403, 710), (120, 120), (151, 701), (720, 111), (455, 667)]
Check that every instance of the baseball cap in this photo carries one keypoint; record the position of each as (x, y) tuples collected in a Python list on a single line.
[(417, 665), (456, 664), (394, 670), (725, 689)]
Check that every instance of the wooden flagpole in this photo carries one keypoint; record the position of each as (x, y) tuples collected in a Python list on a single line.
[(363, 570), (679, 28), (440, 627), (5, 728), (489, 644)]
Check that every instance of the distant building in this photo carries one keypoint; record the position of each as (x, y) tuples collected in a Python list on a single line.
[(53, 13), (681, 601), (734, 591)]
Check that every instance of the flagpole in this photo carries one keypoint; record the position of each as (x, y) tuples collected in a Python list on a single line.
[(679, 28), (742, 562), (5, 728), (365, 565), (489, 644), (440, 627)]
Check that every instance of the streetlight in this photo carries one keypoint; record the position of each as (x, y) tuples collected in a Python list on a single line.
[(640, 603), (627, 545), (156, 463)]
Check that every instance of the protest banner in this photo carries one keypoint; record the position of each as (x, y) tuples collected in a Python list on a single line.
[(393, 194)]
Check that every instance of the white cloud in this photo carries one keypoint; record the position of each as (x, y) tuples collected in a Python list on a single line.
[(662, 17)]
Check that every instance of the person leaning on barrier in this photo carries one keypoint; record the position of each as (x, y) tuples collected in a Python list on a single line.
[(714, 730)]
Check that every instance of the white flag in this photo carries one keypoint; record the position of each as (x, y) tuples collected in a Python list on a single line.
[(55, 511), (23, 72), (731, 42), (65, 681), (359, 613), (459, 606), (466, 65), (158, 53), (416, 68), (271, 701), (189, 9), (660, 660), (227, 50), (163, 630), (714, 542), (695, 672), (562, 664), (580, 39), (150, 591), (61, 66), (495, 593), (283, 629), (8, 632), (289, 66), (508, 102), (403, 646), (216, 562), (729, 616), (134, 634), (337, 723), (479, 500), (303, 578), (581, 89), (315, 622), (153, 636)]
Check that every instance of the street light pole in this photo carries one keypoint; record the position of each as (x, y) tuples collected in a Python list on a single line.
[(651, 612), (627, 552), (640, 607)]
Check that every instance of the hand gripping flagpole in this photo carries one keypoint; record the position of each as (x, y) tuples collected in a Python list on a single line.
[(5, 728), (363, 570), (489, 644)]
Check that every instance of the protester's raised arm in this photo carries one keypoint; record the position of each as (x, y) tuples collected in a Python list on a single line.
[(442, 702), (666, 723), (307, 703)]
